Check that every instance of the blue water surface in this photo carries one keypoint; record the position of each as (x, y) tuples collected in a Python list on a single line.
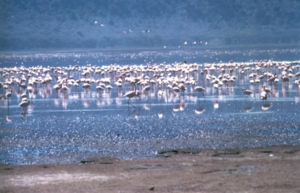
[(84, 124)]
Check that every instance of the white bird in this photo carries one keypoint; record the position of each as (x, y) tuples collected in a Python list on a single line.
[(199, 110), (24, 103), (8, 93), (247, 92), (199, 88), (263, 94), (266, 107), (86, 85), (146, 88), (132, 93)]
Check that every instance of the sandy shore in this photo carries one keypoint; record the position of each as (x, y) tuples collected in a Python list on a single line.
[(273, 169)]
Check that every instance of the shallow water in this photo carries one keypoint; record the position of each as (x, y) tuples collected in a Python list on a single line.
[(83, 123), (151, 56)]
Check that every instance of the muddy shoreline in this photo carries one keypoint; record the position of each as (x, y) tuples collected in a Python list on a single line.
[(270, 169)]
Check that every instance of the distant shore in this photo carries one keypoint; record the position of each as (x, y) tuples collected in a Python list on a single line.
[(270, 169)]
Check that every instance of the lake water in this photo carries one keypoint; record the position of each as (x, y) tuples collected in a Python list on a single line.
[(83, 123)]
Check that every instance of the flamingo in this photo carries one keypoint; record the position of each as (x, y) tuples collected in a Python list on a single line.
[(263, 94), (247, 92), (24, 103), (199, 88), (132, 93)]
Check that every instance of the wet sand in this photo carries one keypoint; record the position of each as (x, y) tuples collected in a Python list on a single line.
[(272, 169)]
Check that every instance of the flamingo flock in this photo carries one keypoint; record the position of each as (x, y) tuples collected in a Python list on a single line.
[(259, 79)]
